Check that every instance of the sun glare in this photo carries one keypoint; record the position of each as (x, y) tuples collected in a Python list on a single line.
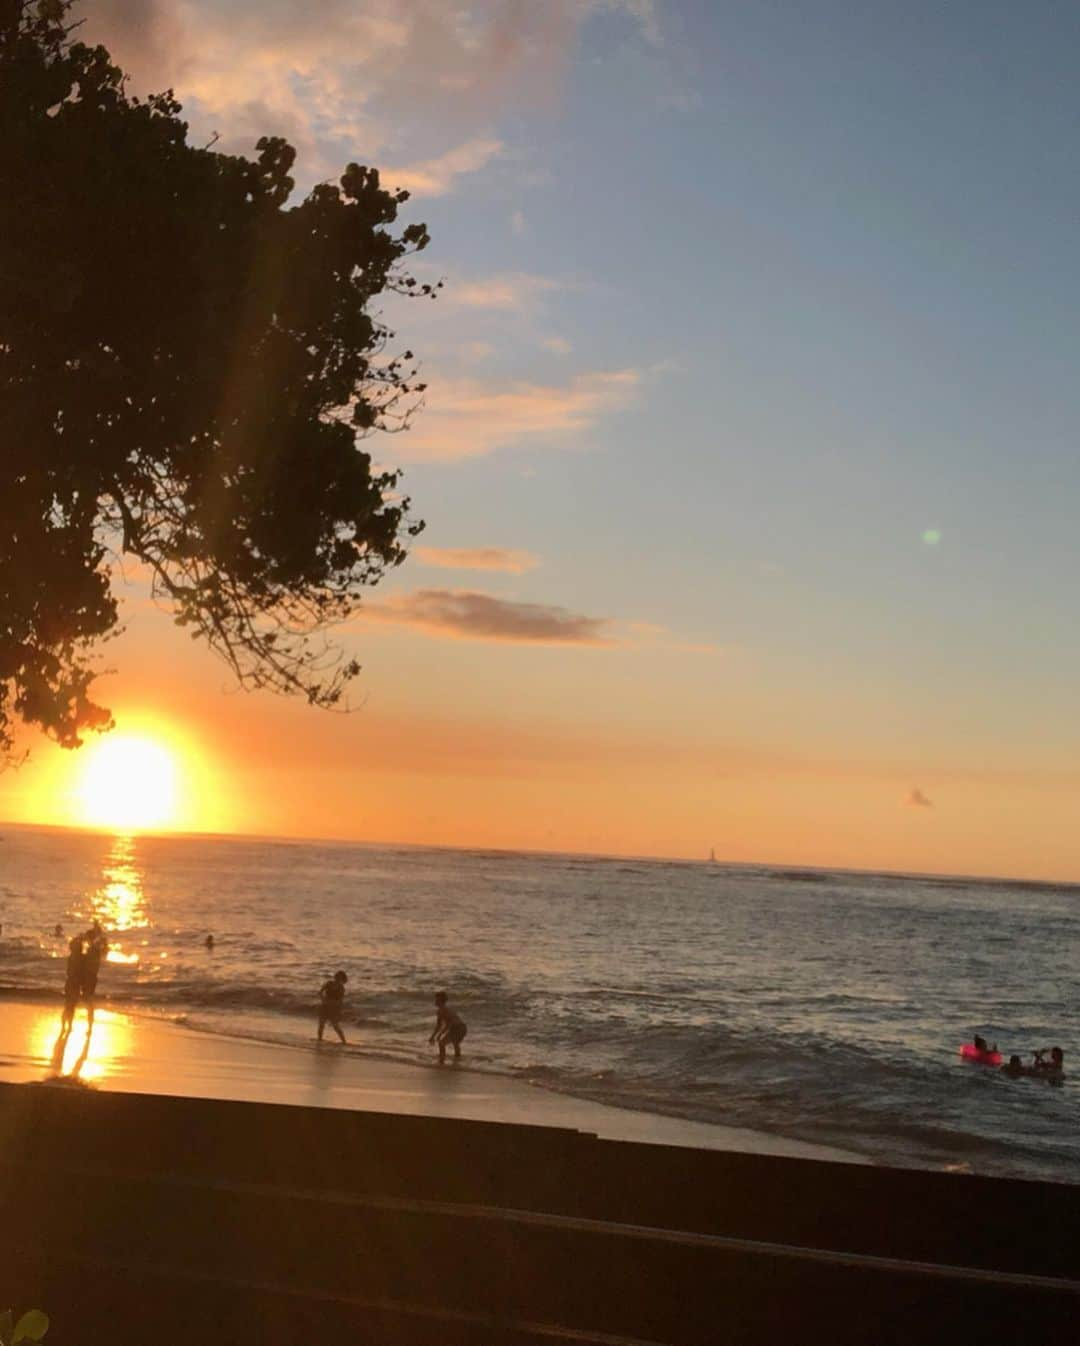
[(87, 1053), (128, 784)]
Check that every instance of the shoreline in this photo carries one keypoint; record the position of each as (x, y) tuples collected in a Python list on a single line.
[(134, 1053)]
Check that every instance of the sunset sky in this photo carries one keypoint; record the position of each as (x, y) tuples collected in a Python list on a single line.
[(749, 456)]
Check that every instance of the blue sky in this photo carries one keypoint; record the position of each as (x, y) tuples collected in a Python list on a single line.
[(759, 333), (847, 254)]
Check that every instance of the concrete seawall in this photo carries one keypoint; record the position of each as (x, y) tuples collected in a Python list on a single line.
[(144, 1219)]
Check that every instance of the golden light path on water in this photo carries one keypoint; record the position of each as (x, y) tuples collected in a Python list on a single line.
[(119, 903)]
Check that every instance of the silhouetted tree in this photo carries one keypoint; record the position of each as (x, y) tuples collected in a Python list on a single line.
[(187, 363)]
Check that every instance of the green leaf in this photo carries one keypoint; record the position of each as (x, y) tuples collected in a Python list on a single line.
[(32, 1326)]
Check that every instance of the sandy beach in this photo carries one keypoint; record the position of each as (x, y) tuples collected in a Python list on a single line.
[(138, 1054)]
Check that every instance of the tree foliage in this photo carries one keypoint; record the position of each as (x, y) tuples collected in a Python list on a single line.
[(188, 367)]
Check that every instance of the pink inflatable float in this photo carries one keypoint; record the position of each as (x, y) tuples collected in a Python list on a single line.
[(969, 1052)]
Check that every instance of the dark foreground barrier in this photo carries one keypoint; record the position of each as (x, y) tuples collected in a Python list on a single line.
[(136, 1219)]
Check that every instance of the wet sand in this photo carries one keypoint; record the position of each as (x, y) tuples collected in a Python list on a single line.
[(135, 1054)]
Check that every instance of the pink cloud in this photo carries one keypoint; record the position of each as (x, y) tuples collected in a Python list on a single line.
[(464, 418), (438, 177), (478, 558), (462, 614), (345, 79), (506, 292), (469, 614), (475, 352)]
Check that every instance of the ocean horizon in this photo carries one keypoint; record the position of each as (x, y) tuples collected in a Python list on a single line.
[(645, 857)]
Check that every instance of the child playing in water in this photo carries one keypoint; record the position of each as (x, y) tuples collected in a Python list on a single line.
[(331, 1000), (1055, 1065), (449, 1027), (1052, 1070)]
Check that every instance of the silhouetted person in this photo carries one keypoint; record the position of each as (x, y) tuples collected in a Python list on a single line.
[(1015, 1066), (59, 931), (72, 983), (95, 947), (1056, 1064), (209, 942), (331, 1002), (449, 1027)]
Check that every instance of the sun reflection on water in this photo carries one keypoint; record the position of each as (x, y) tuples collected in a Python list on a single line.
[(120, 902)]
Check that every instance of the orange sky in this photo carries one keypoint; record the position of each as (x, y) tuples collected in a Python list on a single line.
[(469, 744)]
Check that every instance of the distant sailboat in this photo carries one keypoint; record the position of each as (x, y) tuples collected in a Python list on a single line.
[(712, 857)]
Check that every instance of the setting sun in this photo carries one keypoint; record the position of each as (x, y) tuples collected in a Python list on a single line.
[(152, 773), (128, 783)]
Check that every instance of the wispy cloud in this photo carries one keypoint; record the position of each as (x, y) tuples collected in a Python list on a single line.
[(464, 418), (648, 634), (475, 352), (503, 292), (517, 222), (557, 345), (470, 614), (917, 800), (463, 614), (437, 177), (505, 559)]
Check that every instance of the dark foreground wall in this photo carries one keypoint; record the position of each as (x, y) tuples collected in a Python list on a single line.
[(148, 1220)]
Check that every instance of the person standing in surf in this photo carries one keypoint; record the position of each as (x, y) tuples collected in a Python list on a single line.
[(72, 983), (95, 947), (449, 1027), (331, 1002)]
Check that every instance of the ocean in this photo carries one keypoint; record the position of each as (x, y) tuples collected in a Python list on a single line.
[(825, 1006)]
